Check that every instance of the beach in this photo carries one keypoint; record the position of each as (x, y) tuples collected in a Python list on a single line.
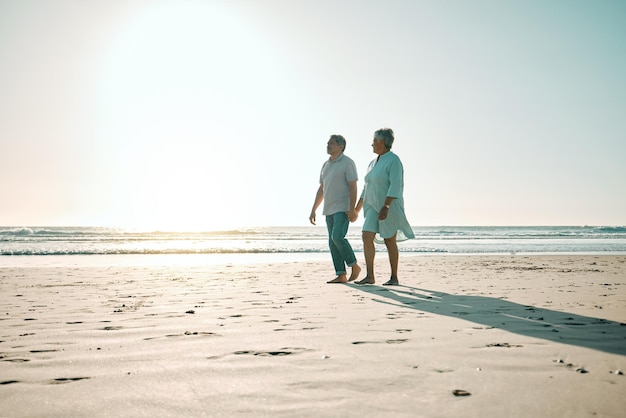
[(462, 336)]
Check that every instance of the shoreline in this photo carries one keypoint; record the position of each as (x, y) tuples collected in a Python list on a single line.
[(523, 335), (214, 259)]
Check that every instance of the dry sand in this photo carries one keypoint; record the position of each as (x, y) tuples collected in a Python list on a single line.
[(524, 336)]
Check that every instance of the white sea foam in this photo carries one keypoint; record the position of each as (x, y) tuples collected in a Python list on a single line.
[(35, 241)]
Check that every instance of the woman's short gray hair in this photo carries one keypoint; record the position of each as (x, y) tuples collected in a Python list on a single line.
[(386, 135)]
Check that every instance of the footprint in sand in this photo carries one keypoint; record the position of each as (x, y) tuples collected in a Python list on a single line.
[(112, 328), (264, 353), (62, 380), (186, 333), (505, 345), (9, 382), (460, 392), (397, 341), (286, 351)]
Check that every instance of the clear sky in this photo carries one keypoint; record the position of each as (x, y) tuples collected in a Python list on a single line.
[(191, 114)]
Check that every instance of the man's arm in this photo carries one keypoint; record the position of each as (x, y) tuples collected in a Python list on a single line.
[(319, 196), (352, 213)]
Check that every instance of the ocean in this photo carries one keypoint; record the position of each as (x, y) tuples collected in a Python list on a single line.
[(301, 242)]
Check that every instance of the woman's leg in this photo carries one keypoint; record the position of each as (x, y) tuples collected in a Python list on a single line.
[(394, 256), (370, 252)]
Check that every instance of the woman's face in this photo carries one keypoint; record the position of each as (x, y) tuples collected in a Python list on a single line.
[(378, 146)]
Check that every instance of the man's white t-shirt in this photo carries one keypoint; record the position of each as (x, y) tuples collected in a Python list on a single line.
[(334, 178)]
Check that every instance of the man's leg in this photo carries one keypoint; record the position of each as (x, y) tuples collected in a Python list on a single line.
[(340, 230), (335, 253)]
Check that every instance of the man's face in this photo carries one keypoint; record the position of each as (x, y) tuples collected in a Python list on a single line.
[(332, 147)]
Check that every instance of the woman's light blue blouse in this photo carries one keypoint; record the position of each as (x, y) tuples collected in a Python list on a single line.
[(385, 177)]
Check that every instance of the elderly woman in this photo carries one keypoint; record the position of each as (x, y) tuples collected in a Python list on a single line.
[(383, 206)]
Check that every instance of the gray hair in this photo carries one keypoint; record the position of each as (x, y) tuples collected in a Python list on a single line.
[(340, 140), (386, 135)]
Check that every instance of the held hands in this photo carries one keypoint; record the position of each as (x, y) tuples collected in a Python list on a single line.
[(353, 215)]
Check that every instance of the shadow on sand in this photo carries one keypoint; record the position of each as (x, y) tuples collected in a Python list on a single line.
[(562, 327)]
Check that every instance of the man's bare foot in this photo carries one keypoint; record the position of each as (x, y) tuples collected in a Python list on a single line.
[(356, 270), (339, 279), (392, 282), (366, 280)]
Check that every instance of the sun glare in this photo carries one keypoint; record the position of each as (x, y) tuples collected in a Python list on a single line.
[(176, 84)]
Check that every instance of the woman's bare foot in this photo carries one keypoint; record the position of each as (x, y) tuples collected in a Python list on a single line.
[(339, 279), (366, 280), (356, 270), (392, 282)]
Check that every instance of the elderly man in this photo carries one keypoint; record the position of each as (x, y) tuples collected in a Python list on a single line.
[(338, 190)]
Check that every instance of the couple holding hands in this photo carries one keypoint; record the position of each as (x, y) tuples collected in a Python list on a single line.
[(381, 201)]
